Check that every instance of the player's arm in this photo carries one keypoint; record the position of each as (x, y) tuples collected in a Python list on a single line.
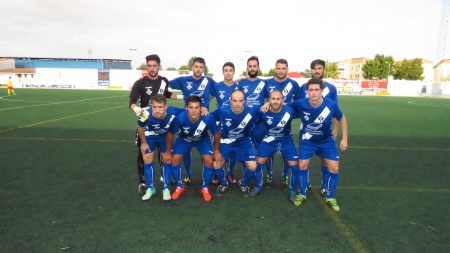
[(176, 96), (144, 145), (216, 153), (167, 156), (344, 141), (335, 128)]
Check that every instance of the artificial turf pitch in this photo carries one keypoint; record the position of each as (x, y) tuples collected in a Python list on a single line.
[(68, 183)]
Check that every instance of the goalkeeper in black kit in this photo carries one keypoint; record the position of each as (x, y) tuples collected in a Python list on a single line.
[(140, 97)]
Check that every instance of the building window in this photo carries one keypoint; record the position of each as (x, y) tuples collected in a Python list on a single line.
[(19, 75)]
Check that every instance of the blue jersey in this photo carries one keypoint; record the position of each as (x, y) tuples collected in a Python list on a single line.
[(222, 92), (289, 88), (255, 92), (235, 127), (277, 126), (192, 132), (329, 91), (156, 129), (316, 122), (190, 86)]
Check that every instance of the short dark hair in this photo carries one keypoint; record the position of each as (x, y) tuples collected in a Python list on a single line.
[(199, 60), (282, 61), (317, 61), (153, 57), (159, 98), (314, 81), (253, 58), (194, 99), (228, 63), (237, 90)]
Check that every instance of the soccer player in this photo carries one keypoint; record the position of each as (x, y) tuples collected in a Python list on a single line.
[(199, 85), (278, 138), (237, 121), (193, 131), (291, 91), (10, 87), (316, 114), (143, 90), (329, 91), (222, 91), (255, 94), (152, 133)]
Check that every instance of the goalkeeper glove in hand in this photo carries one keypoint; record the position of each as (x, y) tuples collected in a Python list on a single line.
[(141, 113)]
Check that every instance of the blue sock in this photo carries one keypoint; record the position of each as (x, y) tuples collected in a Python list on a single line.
[(303, 177), (148, 173), (308, 183), (187, 160), (286, 168), (167, 173), (325, 176), (220, 174), (294, 177), (248, 175), (333, 181), (176, 172), (259, 175), (208, 173), (269, 166)]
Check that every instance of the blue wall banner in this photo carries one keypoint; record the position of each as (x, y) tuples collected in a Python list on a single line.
[(103, 77)]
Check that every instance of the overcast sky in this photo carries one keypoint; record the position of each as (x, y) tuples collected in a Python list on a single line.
[(220, 31)]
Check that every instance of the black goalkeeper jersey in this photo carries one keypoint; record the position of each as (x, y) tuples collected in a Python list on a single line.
[(144, 88)]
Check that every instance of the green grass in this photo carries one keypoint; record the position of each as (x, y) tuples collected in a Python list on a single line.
[(68, 183)]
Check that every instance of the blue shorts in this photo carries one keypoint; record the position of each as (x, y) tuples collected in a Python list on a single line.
[(241, 151), (286, 147), (258, 134), (183, 147), (152, 143), (326, 149)]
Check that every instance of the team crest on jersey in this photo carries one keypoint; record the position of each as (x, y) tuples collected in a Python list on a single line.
[(189, 85), (320, 119), (306, 115), (199, 131), (269, 120), (228, 122), (221, 94), (149, 91)]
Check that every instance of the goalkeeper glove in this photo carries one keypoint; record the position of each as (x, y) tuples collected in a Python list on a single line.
[(141, 113)]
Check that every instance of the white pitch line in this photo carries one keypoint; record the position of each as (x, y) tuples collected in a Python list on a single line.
[(56, 103), (425, 104)]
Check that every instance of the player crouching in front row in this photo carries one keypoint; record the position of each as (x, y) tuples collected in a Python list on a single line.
[(193, 128)]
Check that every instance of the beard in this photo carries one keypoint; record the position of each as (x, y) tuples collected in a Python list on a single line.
[(319, 77), (253, 75), (275, 107), (152, 73)]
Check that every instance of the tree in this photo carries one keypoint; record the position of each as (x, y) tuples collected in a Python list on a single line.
[(307, 73), (331, 70), (380, 67), (184, 67), (408, 70), (143, 66), (171, 68), (271, 73)]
